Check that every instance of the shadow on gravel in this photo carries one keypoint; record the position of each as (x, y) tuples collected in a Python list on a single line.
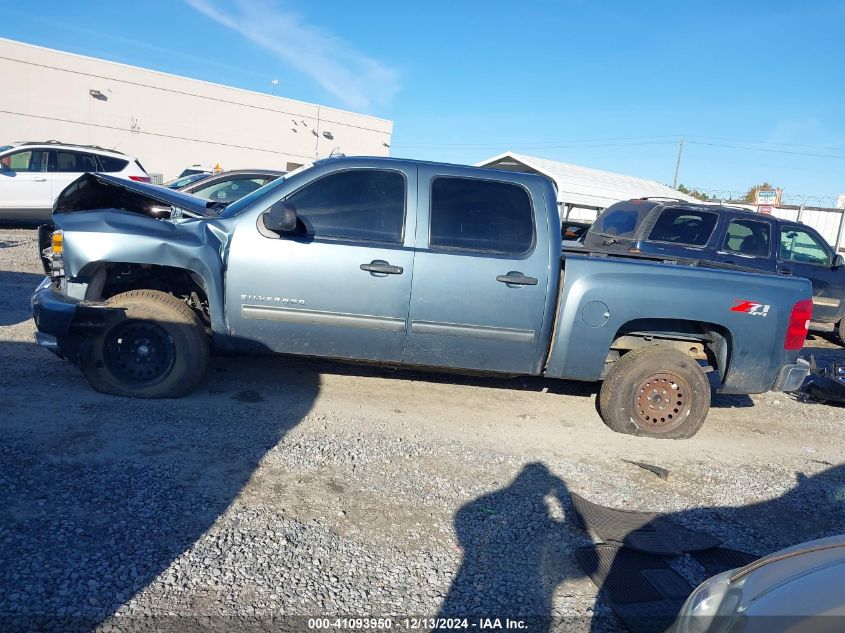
[(515, 548), (99, 495), (17, 290), (442, 376)]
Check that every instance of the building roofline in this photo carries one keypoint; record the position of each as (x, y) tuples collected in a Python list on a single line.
[(202, 81)]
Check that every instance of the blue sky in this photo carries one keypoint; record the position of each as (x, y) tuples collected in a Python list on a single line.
[(756, 88)]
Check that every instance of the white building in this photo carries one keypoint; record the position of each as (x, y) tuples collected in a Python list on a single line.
[(581, 191), (169, 122)]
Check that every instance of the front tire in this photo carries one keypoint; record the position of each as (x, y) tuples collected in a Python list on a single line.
[(655, 391), (840, 329), (159, 349)]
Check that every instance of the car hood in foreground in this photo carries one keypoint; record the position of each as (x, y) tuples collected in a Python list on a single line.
[(92, 192)]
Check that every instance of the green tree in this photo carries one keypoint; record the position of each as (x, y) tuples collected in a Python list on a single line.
[(695, 193)]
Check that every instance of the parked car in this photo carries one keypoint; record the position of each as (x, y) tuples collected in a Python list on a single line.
[(229, 186), (729, 236), (33, 174), (198, 169), (408, 263), (184, 181), (796, 590)]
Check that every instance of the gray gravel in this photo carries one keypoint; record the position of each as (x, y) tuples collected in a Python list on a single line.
[(293, 487)]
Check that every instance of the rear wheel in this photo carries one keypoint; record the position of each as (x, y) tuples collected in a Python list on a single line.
[(840, 329), (158, 350), (655, 391)]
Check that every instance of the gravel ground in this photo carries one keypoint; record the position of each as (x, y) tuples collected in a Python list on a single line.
[(294, 487)]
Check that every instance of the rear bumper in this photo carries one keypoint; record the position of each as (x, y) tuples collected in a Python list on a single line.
[(791, 377), (64, 324)]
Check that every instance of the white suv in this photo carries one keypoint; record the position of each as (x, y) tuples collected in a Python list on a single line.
[(32, 175)]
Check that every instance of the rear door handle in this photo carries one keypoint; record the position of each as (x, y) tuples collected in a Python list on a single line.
[(516, 278), (784, 271), (379, 268), (40, 179)]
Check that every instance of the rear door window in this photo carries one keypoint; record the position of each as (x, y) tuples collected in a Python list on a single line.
[(75, 162), (472, 214), (800, 245), (689, 227), (748, 237)]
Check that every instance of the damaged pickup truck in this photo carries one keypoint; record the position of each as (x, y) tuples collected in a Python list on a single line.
[(408, 263)]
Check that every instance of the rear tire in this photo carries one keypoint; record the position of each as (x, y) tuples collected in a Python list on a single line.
[(158, 350), (655, 391), (840, 329)]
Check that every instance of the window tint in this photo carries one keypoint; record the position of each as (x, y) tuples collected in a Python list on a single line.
[(622, 219), (799, 245), (480, 215), (29, 160), (748, 237), (229, 190), (77, 162), (110, 164), (359, 204), (684, 226)]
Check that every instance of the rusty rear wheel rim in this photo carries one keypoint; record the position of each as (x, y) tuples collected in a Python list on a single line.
[(662, 401)]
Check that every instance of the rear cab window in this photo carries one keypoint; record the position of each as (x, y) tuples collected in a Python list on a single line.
[(621, 220), (689, 227)]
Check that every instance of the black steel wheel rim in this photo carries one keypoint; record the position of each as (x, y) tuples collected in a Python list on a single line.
[(139, 352)]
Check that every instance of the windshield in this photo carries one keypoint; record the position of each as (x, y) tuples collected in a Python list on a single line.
[(184, 180), (3, 148), (239, 205)]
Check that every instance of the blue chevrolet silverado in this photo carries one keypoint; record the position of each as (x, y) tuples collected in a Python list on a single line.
[(406, 263)]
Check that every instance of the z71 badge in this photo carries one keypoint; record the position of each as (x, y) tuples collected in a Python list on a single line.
[(752, 308)]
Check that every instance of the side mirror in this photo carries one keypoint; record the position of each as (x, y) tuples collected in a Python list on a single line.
[(281, 218), (838, 261)]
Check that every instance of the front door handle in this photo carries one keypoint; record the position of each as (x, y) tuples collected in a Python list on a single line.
[(380, 268), (784, 271), (39, 179), (516, 278)]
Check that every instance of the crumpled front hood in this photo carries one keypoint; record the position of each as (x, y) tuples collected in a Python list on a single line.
[(91, 192)]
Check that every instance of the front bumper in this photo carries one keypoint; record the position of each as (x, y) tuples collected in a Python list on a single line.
[(65, 325), (791, 377)]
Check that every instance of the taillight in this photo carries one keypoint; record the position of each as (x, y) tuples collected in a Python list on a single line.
[(140, 178), (799, 324)]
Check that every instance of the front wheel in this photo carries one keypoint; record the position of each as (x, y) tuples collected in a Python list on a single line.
[(840, 329), (655, 391), (158, 350)]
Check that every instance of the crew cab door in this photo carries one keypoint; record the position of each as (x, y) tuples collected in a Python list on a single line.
[(25, 185), (481, 273), (805, 253), (748, 243), (337, 287)]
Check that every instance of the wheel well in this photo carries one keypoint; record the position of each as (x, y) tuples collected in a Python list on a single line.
[(701, 340), (113, 278)]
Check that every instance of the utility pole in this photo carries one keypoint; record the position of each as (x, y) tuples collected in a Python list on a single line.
[(678, 163)]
